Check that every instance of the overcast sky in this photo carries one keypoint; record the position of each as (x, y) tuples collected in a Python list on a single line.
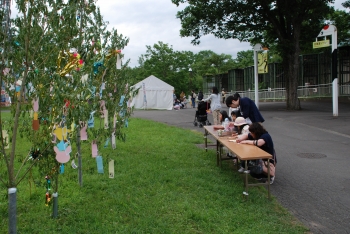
[(145, 22)]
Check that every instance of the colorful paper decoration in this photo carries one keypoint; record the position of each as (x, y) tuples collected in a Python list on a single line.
[(62, 156), (91, 121), (105, 114), (121, 100), (47, 198), (99, 163), (106, 143), (83, 131), (61, 132), (111, 169), (62, 169), (113, 141), (5, 137), (94, 150)]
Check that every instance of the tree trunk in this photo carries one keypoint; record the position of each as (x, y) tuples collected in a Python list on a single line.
[(291, 74)]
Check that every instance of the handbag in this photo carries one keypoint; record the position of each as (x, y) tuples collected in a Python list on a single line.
[(208, 109)]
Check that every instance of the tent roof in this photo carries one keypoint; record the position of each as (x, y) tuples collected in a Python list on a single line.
[(154, 83)]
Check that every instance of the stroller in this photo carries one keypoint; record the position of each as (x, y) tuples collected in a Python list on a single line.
[(201, 117)]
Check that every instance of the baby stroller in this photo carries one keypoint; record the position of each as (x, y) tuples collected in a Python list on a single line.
[(201, 117)]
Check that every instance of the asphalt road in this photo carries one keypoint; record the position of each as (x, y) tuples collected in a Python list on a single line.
[(313, 152)]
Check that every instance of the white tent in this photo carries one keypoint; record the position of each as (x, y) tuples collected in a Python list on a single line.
[(153, 94)]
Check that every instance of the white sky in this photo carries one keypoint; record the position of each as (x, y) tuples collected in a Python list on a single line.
[(145, 22)]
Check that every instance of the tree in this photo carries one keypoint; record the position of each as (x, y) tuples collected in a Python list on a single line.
[(47, 51), (244, 59), (285, 23), (168, 65)]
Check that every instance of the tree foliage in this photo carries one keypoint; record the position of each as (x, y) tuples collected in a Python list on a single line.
[(60, 53), (284, 23)]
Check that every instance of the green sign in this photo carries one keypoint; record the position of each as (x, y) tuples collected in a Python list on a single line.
[(320, 44)]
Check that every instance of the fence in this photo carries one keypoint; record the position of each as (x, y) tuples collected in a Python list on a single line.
[(305, 92)]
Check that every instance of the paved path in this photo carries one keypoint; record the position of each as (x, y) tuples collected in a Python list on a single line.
[(313, 150)]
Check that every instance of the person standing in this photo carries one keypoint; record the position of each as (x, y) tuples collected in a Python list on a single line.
[(223, 94), (193, 99), (215, 104), (247, 108), (182, 95)]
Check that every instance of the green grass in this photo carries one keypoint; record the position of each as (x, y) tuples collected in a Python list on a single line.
[(163, 183)]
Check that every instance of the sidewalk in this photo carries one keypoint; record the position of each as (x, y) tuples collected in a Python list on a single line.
[(312, 146)]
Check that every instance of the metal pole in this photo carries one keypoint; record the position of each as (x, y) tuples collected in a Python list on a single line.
[(335, 72), (331, 30), (80, 163), (12, 210), (257, 48), (55, 205)]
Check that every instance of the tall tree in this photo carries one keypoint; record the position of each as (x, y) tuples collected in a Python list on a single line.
[(168, 65), (259, 21)]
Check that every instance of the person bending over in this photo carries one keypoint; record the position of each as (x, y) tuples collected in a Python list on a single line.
[(261, 138), (246, 106)]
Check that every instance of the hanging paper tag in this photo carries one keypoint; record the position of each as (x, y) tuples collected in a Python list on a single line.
[(35, 125), (121, 100), (5, 136), (74, 166), (94, 150), (53, 137), (106, 143), (99, 163), (35, 103), (91, 122), (62, 169), (111, 169), (114, 120), (113, 141), (83, 132), (105, 113), (100, 92), (84, 78), (119, 62)]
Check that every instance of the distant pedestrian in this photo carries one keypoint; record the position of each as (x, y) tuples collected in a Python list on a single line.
[(182, 95), (247, 108), (223, 94), (215, 104), (193, 99)]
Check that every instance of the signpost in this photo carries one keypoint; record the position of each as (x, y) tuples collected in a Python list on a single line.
[(257, 48), (331, 30)]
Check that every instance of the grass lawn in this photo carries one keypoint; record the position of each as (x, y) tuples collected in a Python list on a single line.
[(163, 183)]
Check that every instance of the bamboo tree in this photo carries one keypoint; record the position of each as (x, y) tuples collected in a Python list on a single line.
[(48, 37)]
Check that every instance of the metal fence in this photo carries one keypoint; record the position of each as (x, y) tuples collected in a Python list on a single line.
[(305, 92)]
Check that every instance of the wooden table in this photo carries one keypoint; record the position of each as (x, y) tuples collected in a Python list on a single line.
[(242, 151)]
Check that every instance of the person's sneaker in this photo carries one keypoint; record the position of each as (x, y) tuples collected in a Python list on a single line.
[(241, 170), (272, 179)]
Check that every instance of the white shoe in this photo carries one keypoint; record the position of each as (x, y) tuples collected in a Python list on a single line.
[(241, 170), (272, 179)]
